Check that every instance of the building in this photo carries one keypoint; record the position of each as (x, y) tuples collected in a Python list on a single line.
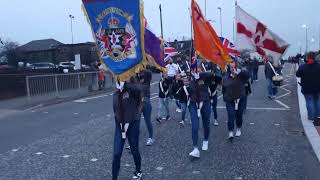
[(53, 51)]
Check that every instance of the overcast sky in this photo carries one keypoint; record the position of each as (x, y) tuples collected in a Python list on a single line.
[(24, 21)]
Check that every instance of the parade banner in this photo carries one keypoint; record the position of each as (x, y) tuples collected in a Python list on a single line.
[(118, 30), (153, 49), (206, 41)]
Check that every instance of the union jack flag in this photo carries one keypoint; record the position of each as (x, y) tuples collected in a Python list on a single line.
[(230, 47), (169, 51)]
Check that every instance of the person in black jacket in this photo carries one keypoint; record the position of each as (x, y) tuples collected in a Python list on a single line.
[(145, 78), (175, 89), (127, 105), (310, 85), (234, 94), (164, 96), (183, 96), (200, 106), (214, 81)]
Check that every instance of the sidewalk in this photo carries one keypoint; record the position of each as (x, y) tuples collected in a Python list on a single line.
[(312, 132)]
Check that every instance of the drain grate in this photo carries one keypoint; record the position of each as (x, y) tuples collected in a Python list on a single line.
[(295, 133)]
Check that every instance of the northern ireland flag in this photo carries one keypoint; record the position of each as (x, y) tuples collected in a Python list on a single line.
[(255, 36)]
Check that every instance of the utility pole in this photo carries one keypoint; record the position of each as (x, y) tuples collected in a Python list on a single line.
[(71, 23), (161, 21), (220, 9)]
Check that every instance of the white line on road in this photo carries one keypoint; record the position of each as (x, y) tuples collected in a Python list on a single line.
[(39, 153), (253, 108), (153, 97), (15, 150), (159, 168), (75, 113), (89, 98), (220, 96), (66, 156), (154, 83), (93, 160), (282, 104)]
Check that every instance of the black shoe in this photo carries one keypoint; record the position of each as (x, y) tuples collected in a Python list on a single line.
[(137, 175), (128, 148), (158, 120)]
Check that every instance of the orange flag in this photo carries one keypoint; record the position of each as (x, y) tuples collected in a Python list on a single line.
[(206, 41)]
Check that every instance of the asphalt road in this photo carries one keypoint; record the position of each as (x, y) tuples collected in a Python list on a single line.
[(74, 140)]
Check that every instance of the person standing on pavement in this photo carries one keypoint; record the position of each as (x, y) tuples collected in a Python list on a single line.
[(164, 96), (255, 69), (270, 72), (233, 90), (127, 105), (200, 107), (310, 85), (145, 78)]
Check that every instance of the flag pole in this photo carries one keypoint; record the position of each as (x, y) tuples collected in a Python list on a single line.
[(161, 21), (191, 47)]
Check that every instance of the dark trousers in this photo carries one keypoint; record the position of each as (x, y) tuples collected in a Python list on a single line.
[(235, 115), (133, 138), (184, 110), (313, 105), (214, 106), (147, 109), (205, 115)]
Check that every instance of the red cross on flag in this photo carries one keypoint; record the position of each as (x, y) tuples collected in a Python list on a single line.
[(255, 36)]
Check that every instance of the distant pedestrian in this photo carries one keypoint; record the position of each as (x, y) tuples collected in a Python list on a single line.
[(310, 85), (94, 67), (127, 104), (255, 69), (164, 96), (145, 78), (102, 79), (200, 107), (234, 94)]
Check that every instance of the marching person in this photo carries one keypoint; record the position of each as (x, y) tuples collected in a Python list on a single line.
[(310, 85), (176, 88), (200, 107), (127, 104), (233, 90), (145, 78), (164, 96), (172, 70), (213, 85), (183, 96)]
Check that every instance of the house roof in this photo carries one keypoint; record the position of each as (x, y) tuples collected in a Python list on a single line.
[(40, 45)]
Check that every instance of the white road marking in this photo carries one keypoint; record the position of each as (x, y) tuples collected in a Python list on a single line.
[(75, 113), (252, 108), (154, 83), (238, 178), (66, 156), (251, 123), (159, 168), (15, 150), (195, 172), (39, 153), (46, 112), (282, 104), (277, 124), (108, 115), (127, 165), (220, 96), (93, 160), (90, 98), (153, 97), (154, 94)]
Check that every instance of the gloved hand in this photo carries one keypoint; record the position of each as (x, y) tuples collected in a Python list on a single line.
[(196, 75), (120, 85)]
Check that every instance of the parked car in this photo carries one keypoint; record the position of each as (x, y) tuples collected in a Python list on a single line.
[(65, 67), (41, 66)]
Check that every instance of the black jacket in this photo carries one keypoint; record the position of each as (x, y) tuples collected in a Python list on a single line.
[(176, 88), (268, 71), (166, 85), (233, 88), (199, 89), (146, 75), (127, 104), (310, 78)]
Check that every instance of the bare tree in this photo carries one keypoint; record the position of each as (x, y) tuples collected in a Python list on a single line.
[(8, 51)]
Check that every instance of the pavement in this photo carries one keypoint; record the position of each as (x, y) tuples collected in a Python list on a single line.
[(74, 140)]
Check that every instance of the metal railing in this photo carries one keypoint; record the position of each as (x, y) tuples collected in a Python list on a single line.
[(38, 85)]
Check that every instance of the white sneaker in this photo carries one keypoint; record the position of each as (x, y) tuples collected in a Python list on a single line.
[(181, 123), (205, 146), (195, 153), (150, 142), (215, 122), (230, 134), (178, 110), (238, 132)]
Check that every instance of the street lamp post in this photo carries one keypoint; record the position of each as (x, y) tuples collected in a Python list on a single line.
[(71, 23), (205, 8), (220, 20), (306, 28)]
